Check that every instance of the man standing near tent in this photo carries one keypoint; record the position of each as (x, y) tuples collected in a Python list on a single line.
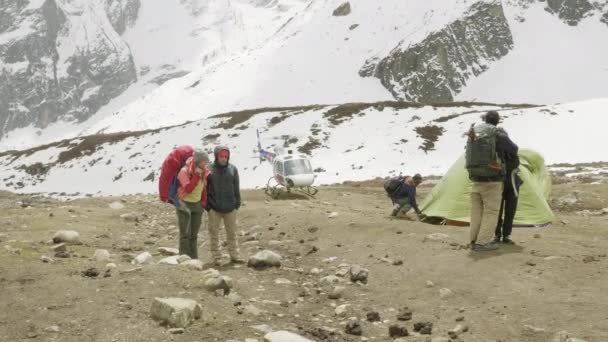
[(224, 200), (485, 151), (510, 196), (402, 192)]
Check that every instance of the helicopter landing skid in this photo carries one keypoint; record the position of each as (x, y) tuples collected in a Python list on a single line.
[(275, 189)]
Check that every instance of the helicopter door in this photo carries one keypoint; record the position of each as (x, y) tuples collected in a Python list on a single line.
[(278, 172)]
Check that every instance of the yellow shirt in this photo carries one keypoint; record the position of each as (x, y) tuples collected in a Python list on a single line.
[(195, 195)]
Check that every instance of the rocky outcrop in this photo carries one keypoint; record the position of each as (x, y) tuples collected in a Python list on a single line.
[(570, 11), (62, 59), (438, 67)]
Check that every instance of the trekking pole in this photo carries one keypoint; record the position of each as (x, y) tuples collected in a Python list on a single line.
[(500, 212)]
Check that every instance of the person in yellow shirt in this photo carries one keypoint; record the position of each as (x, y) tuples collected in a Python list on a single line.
[(192, 194)]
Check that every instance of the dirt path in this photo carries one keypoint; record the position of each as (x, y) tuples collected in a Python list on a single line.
[(554, 279)]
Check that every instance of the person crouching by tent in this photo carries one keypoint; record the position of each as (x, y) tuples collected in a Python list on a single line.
[(510, 196), (192, 194), (402, 192), (486, 146)]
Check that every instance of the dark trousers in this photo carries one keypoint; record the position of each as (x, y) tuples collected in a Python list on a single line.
[(510, 198), (189, 218)]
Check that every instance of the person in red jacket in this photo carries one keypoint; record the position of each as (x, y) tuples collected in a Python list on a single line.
[(192, 197)]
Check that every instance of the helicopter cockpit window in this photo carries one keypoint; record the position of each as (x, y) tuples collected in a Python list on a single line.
[(297, 167)]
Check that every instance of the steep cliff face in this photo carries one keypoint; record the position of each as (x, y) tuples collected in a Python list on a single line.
[(437, 68), (62, 59)]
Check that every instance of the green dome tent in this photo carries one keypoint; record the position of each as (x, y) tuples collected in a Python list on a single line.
[(449, 199)]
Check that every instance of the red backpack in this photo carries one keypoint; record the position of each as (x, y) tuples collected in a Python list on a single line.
[(167, 183)]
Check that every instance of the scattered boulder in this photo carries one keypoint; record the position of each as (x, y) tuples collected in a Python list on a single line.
[(357, 273), (168, 251), (47, 260), (263, 328), (373, 316), (404, 314), (353, 327), (194, 264), (397, 330), (284, 336), (331, 279), (343, 270), (59, 248), (337, 292), (116, 205), (333, 215), (342, 10), (265, 259), (176, 331), (176, 312), (219, 283), (454, 333), (397, 262), (282, 281), (445, 293), (341, 310), (172, 260), (183, 258), (315, 271), (252, 310), (424, 328), (66, 236), (52, 329), (110, 266), (130, 217), (429, 283), (62, 255), (144, 258), (90, 273), (101, 255)]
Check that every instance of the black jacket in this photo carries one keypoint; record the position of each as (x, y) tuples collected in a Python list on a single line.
[(224, 193)]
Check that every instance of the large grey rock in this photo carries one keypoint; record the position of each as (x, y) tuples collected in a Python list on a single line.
[(66, 236), (58, 64), (144, 258), (172, 260), (101, 255), (265, 259), (284, 336), (438, 67), (358, 273), (219, 283), (176, 312)]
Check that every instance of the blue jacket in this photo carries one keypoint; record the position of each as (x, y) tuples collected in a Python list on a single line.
[(409, 192)]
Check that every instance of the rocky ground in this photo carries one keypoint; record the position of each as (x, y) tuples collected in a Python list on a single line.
[(412, 278)]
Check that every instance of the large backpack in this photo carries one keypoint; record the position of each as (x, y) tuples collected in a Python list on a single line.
[(481, 159), (392, 184), (168, 183)]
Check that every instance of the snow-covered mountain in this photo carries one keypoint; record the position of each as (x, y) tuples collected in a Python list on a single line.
[(133, 65), (357, 141)]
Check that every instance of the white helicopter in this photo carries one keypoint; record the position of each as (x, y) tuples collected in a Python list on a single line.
[(292, 172)]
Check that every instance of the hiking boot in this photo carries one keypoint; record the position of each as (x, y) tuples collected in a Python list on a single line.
[(485, 247), (507, 240), (496, 239), (394, 212)]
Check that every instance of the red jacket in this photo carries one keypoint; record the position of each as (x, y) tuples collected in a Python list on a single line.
[(170, 168), (188, 179)]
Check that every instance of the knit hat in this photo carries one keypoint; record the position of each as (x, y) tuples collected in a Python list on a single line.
[(199, 156)]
